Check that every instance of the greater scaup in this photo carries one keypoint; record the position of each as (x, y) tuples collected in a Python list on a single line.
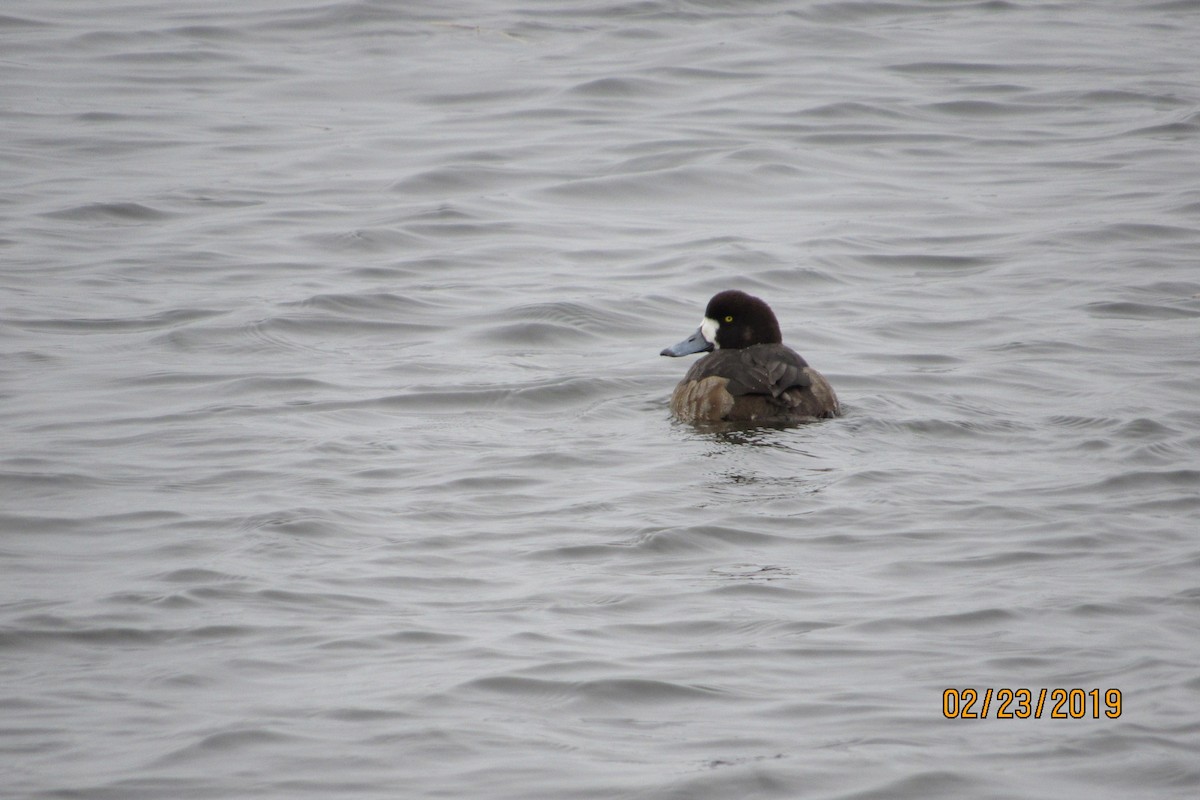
[(749, 375)]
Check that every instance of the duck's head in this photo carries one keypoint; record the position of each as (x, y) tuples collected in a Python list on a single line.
[(732, 320)]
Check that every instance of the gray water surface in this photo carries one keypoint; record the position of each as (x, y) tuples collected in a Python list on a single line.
[(336, 456)]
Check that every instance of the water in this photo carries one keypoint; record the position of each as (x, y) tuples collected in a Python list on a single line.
[(336, 456)]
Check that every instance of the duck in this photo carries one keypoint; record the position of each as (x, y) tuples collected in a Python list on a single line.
[(749, 374)]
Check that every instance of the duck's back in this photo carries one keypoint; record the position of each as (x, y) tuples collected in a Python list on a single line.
[(762, 383)]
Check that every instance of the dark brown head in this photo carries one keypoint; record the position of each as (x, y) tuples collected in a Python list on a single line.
[(732, 320)]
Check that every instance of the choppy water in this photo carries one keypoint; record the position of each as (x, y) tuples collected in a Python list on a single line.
[(336, 458)]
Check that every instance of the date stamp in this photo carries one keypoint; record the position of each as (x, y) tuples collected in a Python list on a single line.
[(1026, 703)]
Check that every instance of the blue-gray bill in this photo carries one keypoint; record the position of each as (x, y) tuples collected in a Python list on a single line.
[(696, 343)]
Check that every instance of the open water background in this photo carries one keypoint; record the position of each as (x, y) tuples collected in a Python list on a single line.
[(336, 459)]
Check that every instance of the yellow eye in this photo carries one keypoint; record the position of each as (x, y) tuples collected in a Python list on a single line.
[(729, 318)]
